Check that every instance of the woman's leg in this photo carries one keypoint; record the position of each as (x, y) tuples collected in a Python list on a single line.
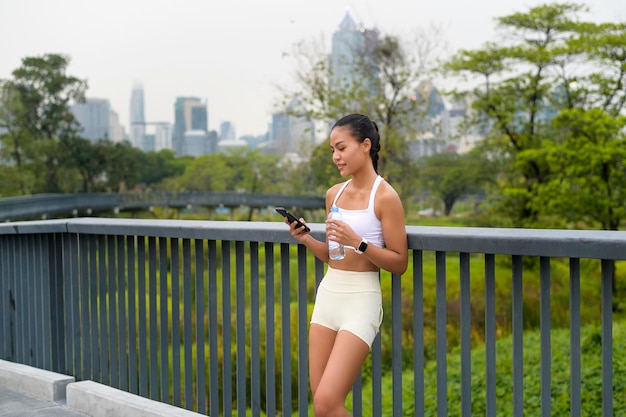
[(321, 341), (341, 369)]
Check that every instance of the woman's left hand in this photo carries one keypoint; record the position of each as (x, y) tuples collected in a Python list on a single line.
[(341, 232)]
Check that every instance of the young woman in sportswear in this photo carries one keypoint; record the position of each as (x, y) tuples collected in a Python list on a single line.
[(348, 304)]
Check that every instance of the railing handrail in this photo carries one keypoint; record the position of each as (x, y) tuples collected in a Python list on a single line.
[(596, 244), (38, 205)]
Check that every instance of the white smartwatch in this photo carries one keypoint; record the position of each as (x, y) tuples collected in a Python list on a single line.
[(362, 246)]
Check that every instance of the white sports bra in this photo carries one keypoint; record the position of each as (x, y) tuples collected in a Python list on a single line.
[(364, 222)]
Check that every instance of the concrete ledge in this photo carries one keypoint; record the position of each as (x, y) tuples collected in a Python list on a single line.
[(38, 383), (99, 400)]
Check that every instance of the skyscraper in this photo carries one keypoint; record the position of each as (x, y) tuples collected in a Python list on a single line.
[(137, 116), (227, 131), (291, 134), (190, 113), (93, 117), (352, 56)]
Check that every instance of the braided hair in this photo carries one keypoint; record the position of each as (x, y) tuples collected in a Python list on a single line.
[(361, 127)]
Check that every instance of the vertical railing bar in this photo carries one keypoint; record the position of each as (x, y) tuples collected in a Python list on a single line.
[(255, 332), (91, 244), (42, 282), (214, 397), (32, 292), (357, 396), (465, 334), (49, 276), (58, 302), (286, 328), (545, 327), (418, 332), (574, 331), (32, 317), (441, 323), (113, 355), (164, 319), (75, 330), (200, 303), (153, 326), (5, 299), (132, 315), (37, 343), (121, 316), (11, 353), (26, 306), (187, 325), (518, 341), (396, 343), (15, 299), (18, 282), (20, 272), (227, 367), (377, 376), (490, 335), (104, 376), (240, 334), (270, 351), (607, 336), (84, 286), (142, 314), (175, 279), (303, 360)]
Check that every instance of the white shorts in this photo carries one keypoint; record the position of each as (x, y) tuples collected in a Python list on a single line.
[(349, 300)]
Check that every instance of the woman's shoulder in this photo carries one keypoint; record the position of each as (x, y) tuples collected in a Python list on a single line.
[(387, 200), (386, 192), (333, 190)]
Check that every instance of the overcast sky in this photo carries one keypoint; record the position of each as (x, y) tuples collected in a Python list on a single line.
[(230, 52)]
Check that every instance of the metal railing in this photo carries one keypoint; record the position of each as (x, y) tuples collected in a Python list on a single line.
[(50, 205), (131, 303)]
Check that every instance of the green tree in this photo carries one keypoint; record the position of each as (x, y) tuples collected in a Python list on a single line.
[(123, 162), (549, 62), (157, 166), (453, 176), (588, 170), (36, 115), (88, 158)]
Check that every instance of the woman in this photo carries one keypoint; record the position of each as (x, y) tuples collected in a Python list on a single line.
[(348, 305)]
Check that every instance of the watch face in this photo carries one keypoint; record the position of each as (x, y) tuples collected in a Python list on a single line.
[(362, 246)]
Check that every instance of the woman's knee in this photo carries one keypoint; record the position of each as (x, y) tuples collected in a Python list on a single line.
[(325, 405)]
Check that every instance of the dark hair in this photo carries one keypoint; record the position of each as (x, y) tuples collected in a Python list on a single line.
[(361, 127)]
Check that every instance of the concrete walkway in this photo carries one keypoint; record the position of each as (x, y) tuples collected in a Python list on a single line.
[(28, 391), (14, 404)]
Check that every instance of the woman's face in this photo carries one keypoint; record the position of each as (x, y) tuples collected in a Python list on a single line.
[(348, 153)]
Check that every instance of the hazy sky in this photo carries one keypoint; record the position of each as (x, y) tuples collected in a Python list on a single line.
[(229, 52)]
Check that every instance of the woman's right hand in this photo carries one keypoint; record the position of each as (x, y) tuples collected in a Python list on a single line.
[(297, 232)]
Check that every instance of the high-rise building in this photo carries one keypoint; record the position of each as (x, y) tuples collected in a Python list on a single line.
[(195, 143), (227, 131), (190, 113), (116, 130), (93, 117), (162, 136), (291, 134), (352, 56), (137, 116)]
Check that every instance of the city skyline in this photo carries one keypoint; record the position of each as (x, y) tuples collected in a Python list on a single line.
[(233, 54)]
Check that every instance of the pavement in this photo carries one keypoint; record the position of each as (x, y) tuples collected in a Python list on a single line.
[(16, 404)]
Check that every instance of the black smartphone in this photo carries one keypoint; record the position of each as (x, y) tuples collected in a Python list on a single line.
[(283, 211)]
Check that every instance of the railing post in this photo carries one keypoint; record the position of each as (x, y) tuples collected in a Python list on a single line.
[(57, 302)]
